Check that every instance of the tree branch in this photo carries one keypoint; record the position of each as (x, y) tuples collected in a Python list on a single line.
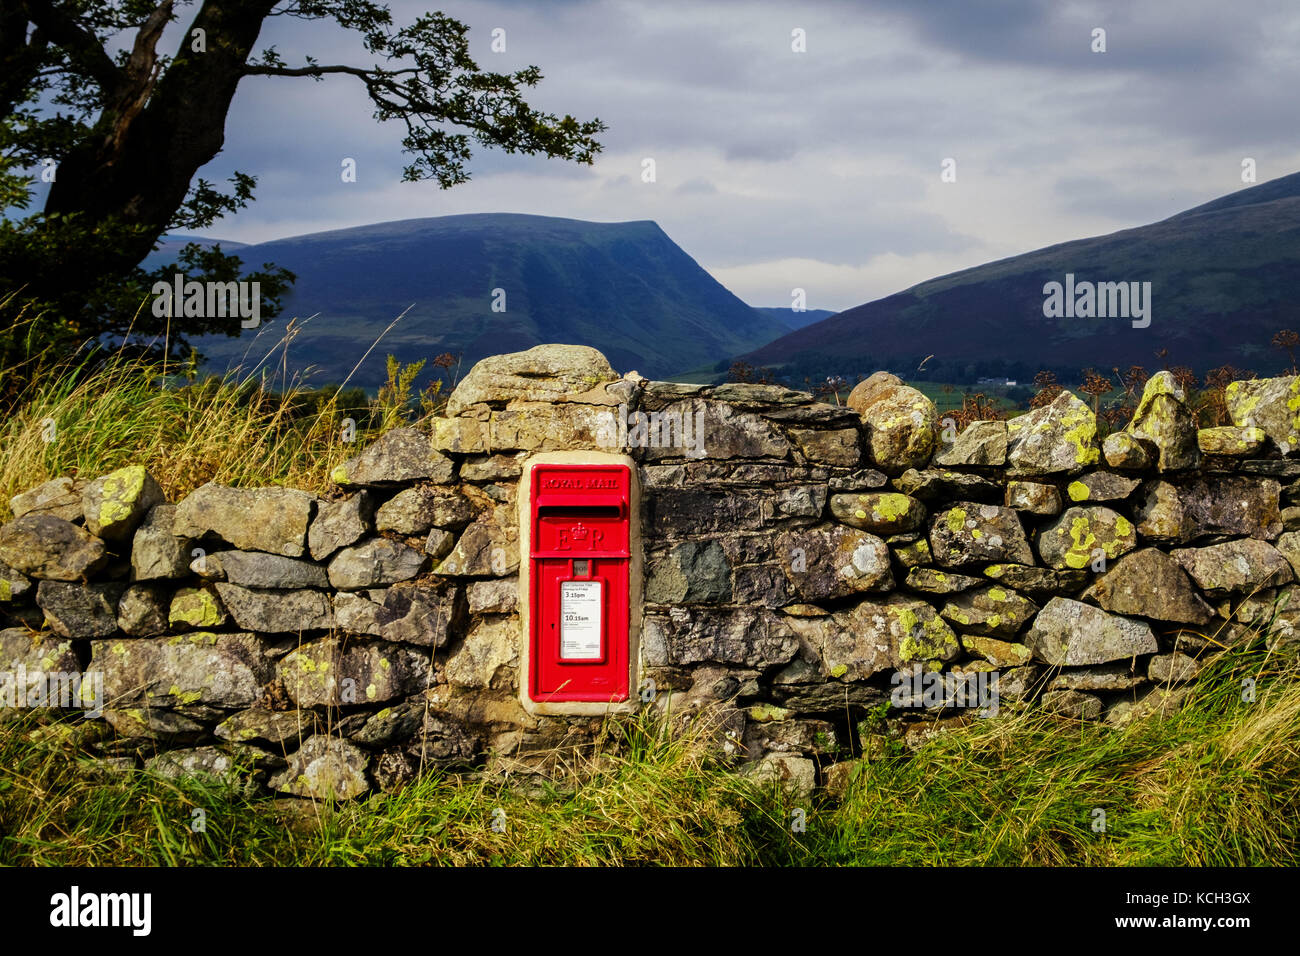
[(82, 45)]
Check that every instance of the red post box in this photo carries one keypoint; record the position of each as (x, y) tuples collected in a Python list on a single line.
[(580, 531)]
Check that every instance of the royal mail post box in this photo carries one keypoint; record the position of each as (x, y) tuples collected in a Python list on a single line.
[(580, 533)]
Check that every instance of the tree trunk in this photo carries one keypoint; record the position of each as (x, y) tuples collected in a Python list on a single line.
[(139, 171)]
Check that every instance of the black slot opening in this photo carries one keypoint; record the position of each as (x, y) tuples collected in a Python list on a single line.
[(579, 511)]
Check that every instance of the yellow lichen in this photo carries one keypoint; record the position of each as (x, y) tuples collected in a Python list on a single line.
[(956, 520)]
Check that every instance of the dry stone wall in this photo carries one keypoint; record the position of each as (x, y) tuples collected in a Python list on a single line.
[(814, 575)]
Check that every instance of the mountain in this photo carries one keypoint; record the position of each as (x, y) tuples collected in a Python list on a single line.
[(1225, 276), (624, 288), (792, 319)]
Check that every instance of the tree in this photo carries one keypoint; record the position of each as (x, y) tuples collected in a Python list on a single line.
[(129, 131)]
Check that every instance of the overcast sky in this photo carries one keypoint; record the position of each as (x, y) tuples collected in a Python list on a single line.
[(820, 169)]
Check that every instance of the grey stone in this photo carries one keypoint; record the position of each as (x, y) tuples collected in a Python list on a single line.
[(1094, 486), (333, 672), (1235, 566), (197, 607), (832, 561), (996, 652), (1230, 440), (51, 548), (157, 552), (13, 585), (499, 596), (1127, 452), (168, 727), (390, 724), (1151, 584), (493, 467), (360, 612), (939, 485), (1210, 504), (223, 670), (1072, 703), (993, 611), (841, 447), (423, 615), (793, 774), (268, 726), (60, 497), (197, 762), (1103, 677), (36, 651), (911, 629), (791, 735), (980, 443), (325, 768), (1037, 582), (80, 610), (416, 510), (1158, 701), (1163, 418), (142, 610), (551, 373), (251, 519), (256, 569), (484, 549), (1057, 438), (1083, 536), (1070, 633), (864, 479), (1033, 497), (754, 637), (374, 563), (487, 656), (727, 432), (1267, 403), (398, 456), (691, 572), (934, 581), (878, 512), (284, 611), (340, 523), (901, 423), (969, 533), (1175, 668), (439, 543)]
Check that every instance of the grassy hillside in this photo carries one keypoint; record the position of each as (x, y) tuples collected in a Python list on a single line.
[(624, 288), (1224, 278)]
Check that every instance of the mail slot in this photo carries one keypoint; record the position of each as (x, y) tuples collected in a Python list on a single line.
[(580, 536)]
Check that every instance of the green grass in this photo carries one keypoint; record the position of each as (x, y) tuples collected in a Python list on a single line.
[(1217, 783), (255, 428)]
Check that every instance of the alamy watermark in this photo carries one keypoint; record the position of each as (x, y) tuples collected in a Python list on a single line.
[(133, 911), (212, 300), (1100, 300), (666, 429), (69, 690), (918, 687)]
